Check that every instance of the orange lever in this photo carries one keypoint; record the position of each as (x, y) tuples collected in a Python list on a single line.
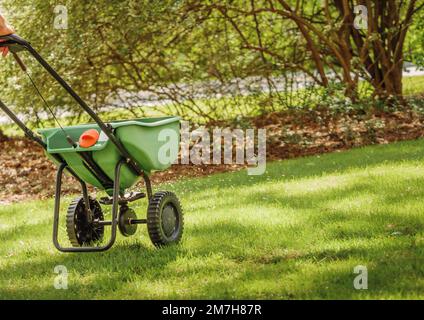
[(89, 138)]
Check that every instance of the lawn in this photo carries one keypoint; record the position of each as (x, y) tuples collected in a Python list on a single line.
[(413, 85), (296, 232)]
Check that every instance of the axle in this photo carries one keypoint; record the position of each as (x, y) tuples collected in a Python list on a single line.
[(130, 221)]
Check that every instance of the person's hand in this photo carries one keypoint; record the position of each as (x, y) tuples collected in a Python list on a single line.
[(5, 29), (4, 50)]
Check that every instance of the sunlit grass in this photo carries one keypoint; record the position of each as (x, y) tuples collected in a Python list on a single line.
[(296, 232), (413, 85)]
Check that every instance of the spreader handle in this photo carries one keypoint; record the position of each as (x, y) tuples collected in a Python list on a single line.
[(16, 43), (28, 132), (14, 38)]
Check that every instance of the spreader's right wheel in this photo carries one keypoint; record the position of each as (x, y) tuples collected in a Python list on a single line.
[(165, 221), (81, 231)]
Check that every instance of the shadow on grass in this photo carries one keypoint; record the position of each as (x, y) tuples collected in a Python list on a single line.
[(267, 259), (98, 272), (310, 273)]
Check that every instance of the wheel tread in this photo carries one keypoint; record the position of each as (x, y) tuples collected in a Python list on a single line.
[(70, 222), (154, 219)]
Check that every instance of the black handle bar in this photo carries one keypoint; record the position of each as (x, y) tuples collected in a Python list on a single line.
[(14, 42)]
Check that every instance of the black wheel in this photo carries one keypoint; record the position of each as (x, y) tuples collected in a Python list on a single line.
[(165, 221), (80, 230)]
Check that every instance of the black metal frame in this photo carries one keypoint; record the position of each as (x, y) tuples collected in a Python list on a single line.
[(115, 207), (16, 44)]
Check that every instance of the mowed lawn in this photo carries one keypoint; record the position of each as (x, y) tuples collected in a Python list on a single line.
[(296, 232)]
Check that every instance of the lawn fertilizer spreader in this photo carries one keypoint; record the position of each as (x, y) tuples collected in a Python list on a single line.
[(110, 156)]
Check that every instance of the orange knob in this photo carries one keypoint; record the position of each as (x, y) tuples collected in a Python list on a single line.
[(89, 138)]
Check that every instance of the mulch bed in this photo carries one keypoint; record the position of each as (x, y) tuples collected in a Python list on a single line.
[(25, 173)]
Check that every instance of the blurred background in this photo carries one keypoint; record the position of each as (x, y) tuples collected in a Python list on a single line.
[(216, 60)]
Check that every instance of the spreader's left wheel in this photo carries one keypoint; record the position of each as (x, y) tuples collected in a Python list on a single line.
[(81, 231)]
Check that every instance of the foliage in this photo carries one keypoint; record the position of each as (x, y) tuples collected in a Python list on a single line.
[(415, 48), (334, 39), (203, 59)]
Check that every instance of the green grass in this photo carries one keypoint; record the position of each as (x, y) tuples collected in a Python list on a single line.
[(296, 232), (413, 85)]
